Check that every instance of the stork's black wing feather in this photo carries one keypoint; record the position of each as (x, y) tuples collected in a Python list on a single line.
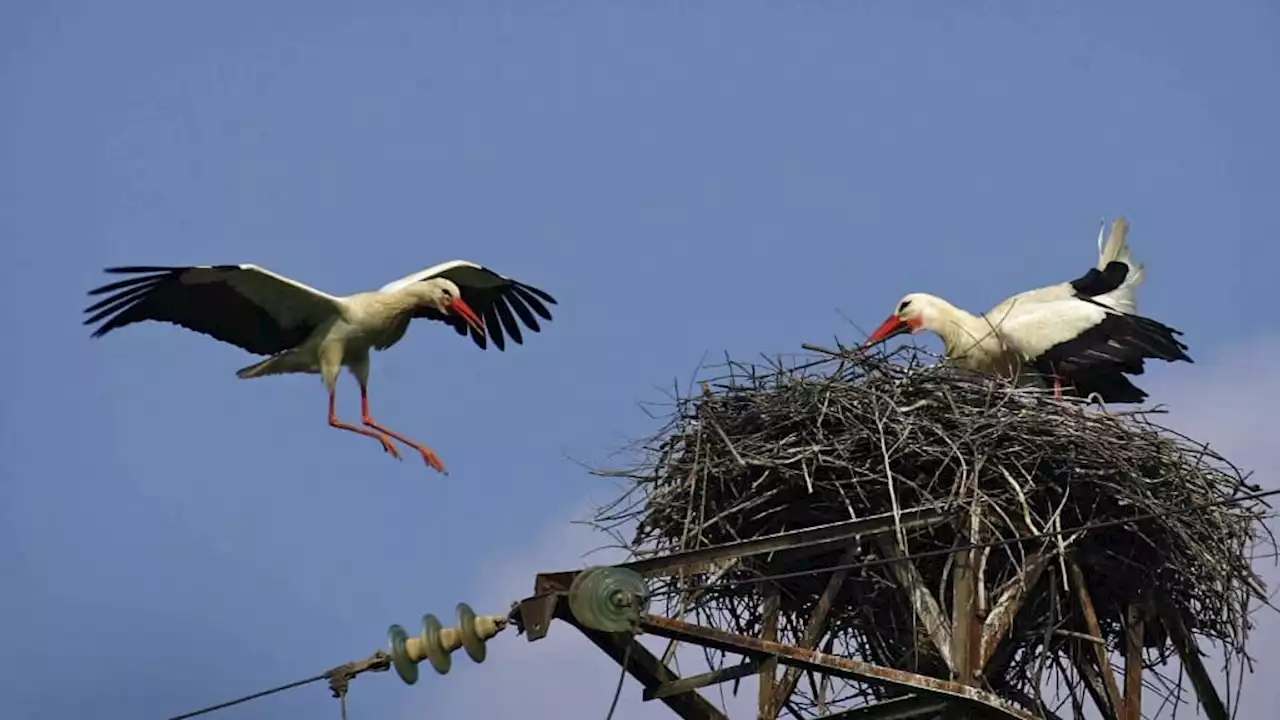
[(501, 302), (1094, 360), (1111, 386), (226, 302)]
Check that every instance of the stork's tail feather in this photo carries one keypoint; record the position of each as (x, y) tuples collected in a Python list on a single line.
[(270, 366), (1116, 249)]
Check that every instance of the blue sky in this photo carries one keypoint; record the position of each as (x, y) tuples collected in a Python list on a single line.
[(687, 179)]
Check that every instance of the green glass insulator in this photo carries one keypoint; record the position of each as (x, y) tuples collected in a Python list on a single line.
[(608, 599), (440, 659), (405, 668), (471, 642)]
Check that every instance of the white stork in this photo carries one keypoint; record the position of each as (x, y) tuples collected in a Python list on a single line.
[(304, 330), (1084, 334)]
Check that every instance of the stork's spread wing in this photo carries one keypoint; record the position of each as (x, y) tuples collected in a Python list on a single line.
[(1116, 340), (1087, 343), (245, 305), (498, 300)]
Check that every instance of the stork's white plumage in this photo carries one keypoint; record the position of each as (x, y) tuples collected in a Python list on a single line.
[(304, 330), (1084, 334)]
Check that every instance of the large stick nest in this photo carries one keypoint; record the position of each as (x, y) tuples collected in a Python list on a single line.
[(766, 449)]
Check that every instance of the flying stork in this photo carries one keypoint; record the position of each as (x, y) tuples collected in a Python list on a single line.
[(1084, 334), (304, 330)]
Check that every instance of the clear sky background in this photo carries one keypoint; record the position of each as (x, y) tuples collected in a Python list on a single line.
[(686, 177)]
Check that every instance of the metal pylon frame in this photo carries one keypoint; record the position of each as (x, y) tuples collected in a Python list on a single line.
[(969, 645)]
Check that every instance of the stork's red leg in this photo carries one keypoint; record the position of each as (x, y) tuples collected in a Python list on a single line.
[(1057, 382), (430, 457), (335, 422)]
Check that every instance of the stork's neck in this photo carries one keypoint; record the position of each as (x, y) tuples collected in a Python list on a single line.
[(388, 306), (405, 301), (962, 332)]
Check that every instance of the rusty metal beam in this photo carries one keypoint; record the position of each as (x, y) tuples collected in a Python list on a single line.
[(926, 607), (849, 668), (1133, 663), (1094, 686), (687, 597), (533, 615), (813, 631), (768, 633), (1000, 620), (1189, 654), (1100, 650), (966, 629), (901, 708), (693, 682), (648, 670)]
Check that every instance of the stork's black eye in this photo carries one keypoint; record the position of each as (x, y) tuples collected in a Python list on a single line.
[(903, 306), (447, 292)]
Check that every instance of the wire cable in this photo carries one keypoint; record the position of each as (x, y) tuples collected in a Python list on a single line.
[(339, 680), (622, 678), (255, 696)]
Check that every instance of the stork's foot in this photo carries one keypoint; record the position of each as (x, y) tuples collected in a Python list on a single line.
[(380, 437), (386, 445), (433, 460)]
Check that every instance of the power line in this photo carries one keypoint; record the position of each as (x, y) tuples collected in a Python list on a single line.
[(339, 679), (622, 678), (255, 696), (1002, 542)]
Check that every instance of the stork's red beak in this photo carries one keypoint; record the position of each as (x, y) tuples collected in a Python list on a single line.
[(467, 314), (889, 328)]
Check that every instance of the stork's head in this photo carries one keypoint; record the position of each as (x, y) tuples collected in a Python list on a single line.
[(443, 295), (915, 312)]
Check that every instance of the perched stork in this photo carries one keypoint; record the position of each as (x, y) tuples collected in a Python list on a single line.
[(304, 330), (1084, 334)]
